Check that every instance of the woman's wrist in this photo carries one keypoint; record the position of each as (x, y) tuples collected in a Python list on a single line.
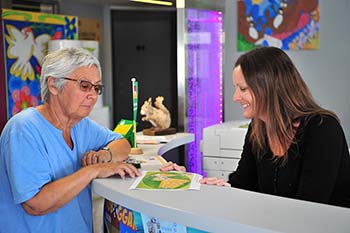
[(92, 171)]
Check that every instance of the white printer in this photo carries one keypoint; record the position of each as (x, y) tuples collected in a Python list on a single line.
[(222, 146)]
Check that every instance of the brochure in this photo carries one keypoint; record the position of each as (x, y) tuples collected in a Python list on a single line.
[(170, 180)]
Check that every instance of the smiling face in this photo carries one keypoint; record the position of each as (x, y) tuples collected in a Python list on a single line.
[(75, 103), (243, 93)]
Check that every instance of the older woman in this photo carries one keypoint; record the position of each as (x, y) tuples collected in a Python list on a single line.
[(51, 153)]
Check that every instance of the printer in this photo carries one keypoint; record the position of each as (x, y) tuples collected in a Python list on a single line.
[(222, 147)]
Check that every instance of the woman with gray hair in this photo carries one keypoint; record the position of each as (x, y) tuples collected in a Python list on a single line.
[(49, 154)]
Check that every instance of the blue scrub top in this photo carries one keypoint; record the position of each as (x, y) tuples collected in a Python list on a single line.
[(33, 153)]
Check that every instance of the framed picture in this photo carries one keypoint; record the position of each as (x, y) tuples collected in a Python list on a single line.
[(26, 35), (289, 25)]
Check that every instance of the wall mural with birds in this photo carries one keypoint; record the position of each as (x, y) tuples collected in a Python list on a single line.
[(26, 37), (286, 24)]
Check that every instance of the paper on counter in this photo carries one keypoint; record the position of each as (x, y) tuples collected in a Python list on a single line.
[(170, 180), (146, 139), (148, 160)]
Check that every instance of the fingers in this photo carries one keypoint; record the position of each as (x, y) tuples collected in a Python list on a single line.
[(89, 158), (214, 181), (167, 167), (93, 157), (101, 158), (179, 168), (223, 183), (128, 169), (170, 166), (209, 180), (120, 168)]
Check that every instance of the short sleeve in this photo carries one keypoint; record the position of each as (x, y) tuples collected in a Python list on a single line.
[(25, 162), (92, 136)]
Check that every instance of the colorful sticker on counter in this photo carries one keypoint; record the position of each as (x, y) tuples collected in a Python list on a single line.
[(153, 224), (118, 219), (171, 180), (121, 219)]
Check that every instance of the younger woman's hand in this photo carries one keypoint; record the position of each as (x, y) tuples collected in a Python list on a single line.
[(214, 181), (170, 166)]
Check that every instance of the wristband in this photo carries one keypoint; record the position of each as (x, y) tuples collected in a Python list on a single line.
[(109, 151)]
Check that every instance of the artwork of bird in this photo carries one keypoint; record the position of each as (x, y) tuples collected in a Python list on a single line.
[(22, 46)]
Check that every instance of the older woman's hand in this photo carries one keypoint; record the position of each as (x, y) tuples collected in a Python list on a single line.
[(214, 181), (109, 169), (170, 166), (93, 157)]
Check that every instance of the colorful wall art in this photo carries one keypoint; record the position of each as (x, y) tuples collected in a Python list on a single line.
[(26, 35), (3, 107), (286, 24)]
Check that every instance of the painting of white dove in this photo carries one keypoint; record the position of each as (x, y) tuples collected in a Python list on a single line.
[(25, 36), (22, 46)]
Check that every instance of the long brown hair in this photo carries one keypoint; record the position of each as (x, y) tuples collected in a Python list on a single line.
[(281, 97)]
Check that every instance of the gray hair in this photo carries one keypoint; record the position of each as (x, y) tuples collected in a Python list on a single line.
[(61, 63)]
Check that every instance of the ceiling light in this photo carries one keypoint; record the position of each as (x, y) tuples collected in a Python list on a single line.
[(165, 3)]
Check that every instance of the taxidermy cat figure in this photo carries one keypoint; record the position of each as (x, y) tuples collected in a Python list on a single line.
[(158, 116)]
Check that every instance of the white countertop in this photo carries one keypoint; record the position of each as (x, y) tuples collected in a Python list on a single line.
[(222, 209), (168, 142), (155, 151), (225, 209)]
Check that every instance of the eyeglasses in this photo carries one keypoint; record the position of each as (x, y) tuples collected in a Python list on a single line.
[(86, 86)]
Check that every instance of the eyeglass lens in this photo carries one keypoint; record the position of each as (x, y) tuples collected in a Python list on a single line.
[(86, 86)]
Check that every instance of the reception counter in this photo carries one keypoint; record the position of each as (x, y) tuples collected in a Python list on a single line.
[(220, 209), (166, 143), (225, 209), (152, 151)]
